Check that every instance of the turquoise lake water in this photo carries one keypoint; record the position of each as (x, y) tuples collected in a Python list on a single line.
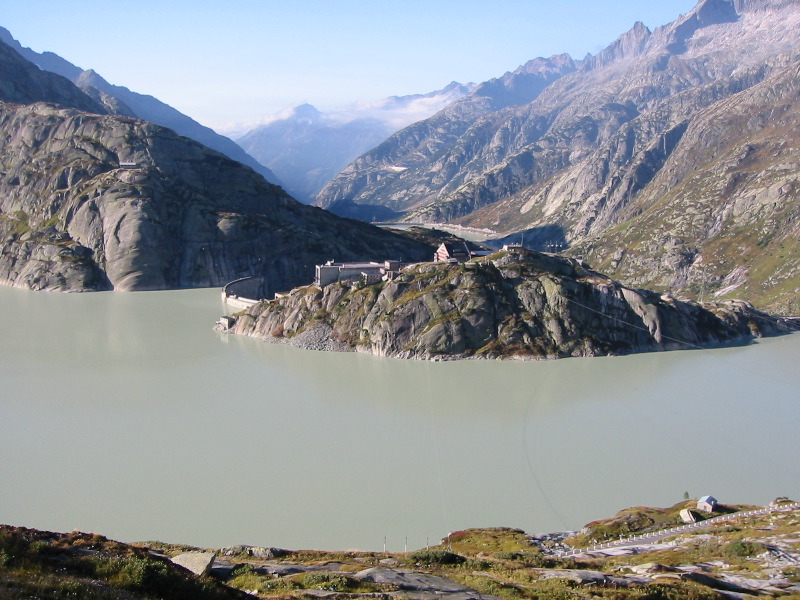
[(126, 415)]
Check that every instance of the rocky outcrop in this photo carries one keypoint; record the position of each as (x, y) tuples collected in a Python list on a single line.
[(198, 563), (616, 134), (405, 579), (93, 202), (514, 305)]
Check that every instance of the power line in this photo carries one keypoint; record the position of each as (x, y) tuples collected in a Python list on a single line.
[(533, 471)]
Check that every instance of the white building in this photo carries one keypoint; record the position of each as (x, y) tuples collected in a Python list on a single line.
[(707, 504), (370, 272)]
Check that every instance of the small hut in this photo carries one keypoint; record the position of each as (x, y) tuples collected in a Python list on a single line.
[(707, 504)]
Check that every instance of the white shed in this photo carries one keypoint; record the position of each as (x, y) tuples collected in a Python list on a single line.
[(707, 504)]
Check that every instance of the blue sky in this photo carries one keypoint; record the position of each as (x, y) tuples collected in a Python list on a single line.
[(240, 60)]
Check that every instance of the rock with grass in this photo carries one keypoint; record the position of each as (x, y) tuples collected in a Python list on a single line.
[(518, 304)]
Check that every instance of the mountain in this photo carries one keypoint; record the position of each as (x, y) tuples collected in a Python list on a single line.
[(92, 201), (515, 304), (422, 160), (306, 148), (22, 83), (669, 159), (122, 101)]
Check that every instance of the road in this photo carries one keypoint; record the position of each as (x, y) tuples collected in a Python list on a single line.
[(648, 539)]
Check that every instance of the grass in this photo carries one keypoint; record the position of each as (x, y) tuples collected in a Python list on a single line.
[(53, 566), (500, 539), (502, 562)]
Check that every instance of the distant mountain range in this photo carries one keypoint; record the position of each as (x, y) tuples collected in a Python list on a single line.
[(122, 101), (306, 148), (671, 159)]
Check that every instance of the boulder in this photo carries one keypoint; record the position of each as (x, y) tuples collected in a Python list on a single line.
[(198, 563)]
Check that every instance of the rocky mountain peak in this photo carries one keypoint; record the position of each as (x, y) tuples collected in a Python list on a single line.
[(306, 112), (629, 44), (22, 82), (705, 14), (620, 142), (526, 83), (98, 95)]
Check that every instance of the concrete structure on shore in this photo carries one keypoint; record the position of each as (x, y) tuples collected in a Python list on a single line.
[(244, 292)]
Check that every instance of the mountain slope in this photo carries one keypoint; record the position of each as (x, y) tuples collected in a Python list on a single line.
[(122, 101), (420, 162), (73, 216), (23, 83), (597, 147), (91, 201)]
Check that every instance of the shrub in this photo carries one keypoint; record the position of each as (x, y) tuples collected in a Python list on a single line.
[(742, 549), (528, 559), (11, 548), (326, 581), (436, 557)]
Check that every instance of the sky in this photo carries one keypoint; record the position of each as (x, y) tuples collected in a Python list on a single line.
[(239, 61)]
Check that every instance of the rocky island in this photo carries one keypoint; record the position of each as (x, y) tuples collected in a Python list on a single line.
[(512, 304)]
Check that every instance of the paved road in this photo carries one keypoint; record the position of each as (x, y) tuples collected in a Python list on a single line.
[(651, 538)]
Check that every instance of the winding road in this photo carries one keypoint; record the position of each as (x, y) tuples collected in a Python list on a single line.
[(647, 539)]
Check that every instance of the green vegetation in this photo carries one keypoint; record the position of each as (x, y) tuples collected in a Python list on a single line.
[(742, 549), (639, 519), (436, 557), (502, 562), (53, 566)]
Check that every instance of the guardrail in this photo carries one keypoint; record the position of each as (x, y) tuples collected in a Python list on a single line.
[(630, 541)]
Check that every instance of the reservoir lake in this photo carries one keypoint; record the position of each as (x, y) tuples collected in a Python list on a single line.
[(125, 414)]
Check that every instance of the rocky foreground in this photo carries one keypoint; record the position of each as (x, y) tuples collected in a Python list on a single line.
[(753, 554), (513, 304)]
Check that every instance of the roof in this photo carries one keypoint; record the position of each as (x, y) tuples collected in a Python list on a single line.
[(457, 247), (709, 499)]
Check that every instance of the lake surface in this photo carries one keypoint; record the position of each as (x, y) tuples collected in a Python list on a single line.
[(126, 415)]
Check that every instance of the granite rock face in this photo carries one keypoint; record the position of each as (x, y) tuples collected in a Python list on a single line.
[(198, 563), (92, 202), (517, 305)]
